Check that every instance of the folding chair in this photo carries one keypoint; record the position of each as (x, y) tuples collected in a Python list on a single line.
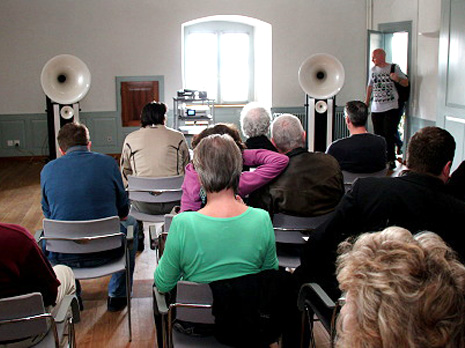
[(90, 236), (153, 191), (349, 177), (290, 232), (313, 301), (24, 318), (194, 305)]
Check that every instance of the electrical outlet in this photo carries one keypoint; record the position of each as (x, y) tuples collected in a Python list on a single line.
[(9, 143), (16, 143), (109, 139)]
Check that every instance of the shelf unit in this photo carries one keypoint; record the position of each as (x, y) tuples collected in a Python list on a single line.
[(191, 115)]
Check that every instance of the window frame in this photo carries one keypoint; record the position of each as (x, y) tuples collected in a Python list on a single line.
[(219, 27)]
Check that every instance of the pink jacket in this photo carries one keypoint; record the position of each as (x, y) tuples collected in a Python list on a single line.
[(269, 165)]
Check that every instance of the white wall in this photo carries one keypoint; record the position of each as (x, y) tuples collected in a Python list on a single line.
[(143, 37), (426, 18)]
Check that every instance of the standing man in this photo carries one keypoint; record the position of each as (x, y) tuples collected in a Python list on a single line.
[(85, 185), (385, 105)]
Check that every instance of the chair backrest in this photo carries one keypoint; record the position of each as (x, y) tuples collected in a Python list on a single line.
[(193, 302), (86, 236), (291, 229), (23, 316), (155, 190), (350, 177)]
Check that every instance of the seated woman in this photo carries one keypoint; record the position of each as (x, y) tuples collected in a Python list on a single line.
[(225, 240), (269, 165), (401, 291), (255, 125)]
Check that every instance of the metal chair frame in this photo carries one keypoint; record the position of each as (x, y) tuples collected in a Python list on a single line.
[(40, 320), (112, 237)]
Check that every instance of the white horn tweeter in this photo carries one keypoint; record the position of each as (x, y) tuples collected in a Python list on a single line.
[(65, 79), (67, 112), (321, 77), (321, 106)]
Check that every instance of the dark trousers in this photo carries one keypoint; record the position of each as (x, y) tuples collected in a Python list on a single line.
[(385, 124)]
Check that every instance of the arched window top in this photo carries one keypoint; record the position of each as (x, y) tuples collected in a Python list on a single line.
[(224, 56)]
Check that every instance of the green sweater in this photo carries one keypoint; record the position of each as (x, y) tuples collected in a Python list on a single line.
[(203, 249)]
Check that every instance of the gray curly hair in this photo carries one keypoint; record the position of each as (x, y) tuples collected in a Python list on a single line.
[(402, 291), (255, 120)]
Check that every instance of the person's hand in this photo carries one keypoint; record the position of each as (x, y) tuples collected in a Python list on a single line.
[(394, 77)]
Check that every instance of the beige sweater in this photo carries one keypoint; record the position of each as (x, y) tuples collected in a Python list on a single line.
[(156, 151)]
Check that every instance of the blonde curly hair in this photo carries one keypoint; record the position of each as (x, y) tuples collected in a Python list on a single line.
[(402, 291)]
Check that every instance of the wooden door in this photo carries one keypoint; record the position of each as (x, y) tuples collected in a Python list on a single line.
[(134, 96)]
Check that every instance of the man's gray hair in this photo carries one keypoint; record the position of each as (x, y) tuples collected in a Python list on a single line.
[(255, 120), (218, 162), (287, 133)]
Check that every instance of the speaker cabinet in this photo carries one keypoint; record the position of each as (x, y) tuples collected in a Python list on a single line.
[(320, 118), (57, 116)]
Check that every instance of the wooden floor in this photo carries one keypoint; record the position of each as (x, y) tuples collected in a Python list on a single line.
[(20, 204)]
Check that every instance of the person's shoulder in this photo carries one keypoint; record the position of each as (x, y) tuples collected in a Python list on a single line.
[(13, 231), (324, 158), (134, 134), (258, 212), (173, 132)]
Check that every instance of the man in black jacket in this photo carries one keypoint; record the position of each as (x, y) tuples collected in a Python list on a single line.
[(312, 183), (417, 201)]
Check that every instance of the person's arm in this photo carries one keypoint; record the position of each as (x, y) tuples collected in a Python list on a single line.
[(38, 273), (169, 271), (122, 201), (399, 77), (368, 98), (183, 156), (125, 163), (190, 199), (44, 200), (271, 259), (270, 165)]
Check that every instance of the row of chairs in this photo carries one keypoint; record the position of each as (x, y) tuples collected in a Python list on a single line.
[(104, 234)]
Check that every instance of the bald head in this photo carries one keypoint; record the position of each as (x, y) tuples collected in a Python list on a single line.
[(379, 57)]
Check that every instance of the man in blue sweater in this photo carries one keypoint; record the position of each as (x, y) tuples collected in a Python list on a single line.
[(85, 185)]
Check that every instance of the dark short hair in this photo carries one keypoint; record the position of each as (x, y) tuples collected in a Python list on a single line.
[(218, 161), (357, 112), (153, 113), (429, 150), (220, 128), (73, 134)]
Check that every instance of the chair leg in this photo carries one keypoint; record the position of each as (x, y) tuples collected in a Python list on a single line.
[(71, 333), (128, 294)]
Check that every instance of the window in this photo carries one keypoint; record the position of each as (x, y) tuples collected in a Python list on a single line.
[(219, 59)]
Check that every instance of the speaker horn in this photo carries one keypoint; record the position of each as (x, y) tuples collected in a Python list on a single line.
[(321, 76), (65, 79)]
